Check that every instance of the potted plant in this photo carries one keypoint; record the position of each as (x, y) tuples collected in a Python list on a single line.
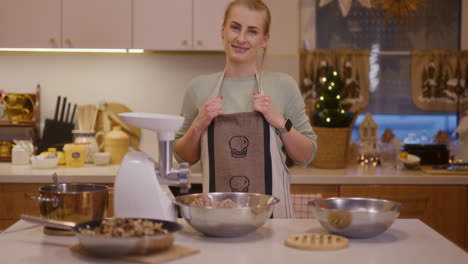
[(331, 121)]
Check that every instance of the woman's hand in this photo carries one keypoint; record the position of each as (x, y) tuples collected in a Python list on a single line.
[(212, 108), (188, 146), (262, 103)]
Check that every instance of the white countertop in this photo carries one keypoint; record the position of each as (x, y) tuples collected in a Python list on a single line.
[(299, 175), (406, 241)]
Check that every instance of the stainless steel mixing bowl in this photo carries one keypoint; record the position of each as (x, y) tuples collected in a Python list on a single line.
[(356, 217), (251, 212)]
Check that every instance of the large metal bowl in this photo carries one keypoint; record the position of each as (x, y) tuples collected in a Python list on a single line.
[(356, 217), (251, 212)]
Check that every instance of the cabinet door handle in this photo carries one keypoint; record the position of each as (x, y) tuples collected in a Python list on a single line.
[(200, 42), (184, 42), (68, 42), (53, 43)]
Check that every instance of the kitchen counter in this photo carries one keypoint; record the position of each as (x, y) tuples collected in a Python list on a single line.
[(407, 241), (299, 175)]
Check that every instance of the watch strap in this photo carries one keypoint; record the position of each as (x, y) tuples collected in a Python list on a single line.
[(287, 127)]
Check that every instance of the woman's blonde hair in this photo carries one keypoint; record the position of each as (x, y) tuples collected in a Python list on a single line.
[(256, 5)]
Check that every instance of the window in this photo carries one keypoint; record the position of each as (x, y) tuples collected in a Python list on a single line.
[(433, 26)]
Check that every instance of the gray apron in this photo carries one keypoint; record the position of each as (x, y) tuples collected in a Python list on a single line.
[(239, 153)]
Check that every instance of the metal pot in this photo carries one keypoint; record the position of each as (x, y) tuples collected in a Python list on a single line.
[(73, 202)]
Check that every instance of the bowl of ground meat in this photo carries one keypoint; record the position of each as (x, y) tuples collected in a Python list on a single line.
[(226, 214)]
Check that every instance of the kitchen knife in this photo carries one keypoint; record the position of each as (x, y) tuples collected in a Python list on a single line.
[(57, 106), (67, 114), (62, 113), (73, 114)]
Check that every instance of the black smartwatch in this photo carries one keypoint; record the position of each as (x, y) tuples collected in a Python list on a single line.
[(287, 127)]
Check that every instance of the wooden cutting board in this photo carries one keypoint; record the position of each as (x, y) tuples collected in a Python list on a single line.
[(430, 170)]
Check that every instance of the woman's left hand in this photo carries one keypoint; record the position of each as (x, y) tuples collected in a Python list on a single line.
[(262, 103)]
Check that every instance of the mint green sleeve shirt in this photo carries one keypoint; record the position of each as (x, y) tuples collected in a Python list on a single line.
[(238, 97)]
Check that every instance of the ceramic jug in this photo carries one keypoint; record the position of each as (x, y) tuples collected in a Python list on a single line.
[(116, 142), (83, 136)]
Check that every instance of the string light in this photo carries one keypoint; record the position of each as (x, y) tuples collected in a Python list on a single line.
[(332, 84), (335, 73), (321, 98), (338, 97), (342, 111), (324, 79), (328, 120), (318, 106), (329, 88)]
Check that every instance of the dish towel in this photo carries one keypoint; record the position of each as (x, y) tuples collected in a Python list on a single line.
[(300, 205)]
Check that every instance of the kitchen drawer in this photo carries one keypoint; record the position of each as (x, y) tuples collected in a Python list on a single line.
[(324, 190)]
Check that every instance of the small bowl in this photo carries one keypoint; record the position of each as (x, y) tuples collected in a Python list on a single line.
[(43, 162), (101, 158), (411, 162), (252, 211), (356, 217)]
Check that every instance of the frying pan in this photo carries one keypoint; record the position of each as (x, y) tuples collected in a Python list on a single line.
[(113, 246)]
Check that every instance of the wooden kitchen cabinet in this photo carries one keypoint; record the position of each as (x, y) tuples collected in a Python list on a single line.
[(66, 24), (15, 200), (466, 218), (325, 190), (207, 21), (178, 25), (30, 24), (440, 207), (162, 24), (97, 24)]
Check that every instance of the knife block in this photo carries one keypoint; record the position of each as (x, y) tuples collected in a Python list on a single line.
[(55, 135)]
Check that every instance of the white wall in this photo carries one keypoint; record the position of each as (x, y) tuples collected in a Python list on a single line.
[(144, 82)]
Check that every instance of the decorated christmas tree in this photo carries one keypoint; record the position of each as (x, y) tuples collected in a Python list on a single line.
[(330, 110)]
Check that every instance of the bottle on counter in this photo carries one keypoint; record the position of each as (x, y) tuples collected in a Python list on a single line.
[(116, 142)]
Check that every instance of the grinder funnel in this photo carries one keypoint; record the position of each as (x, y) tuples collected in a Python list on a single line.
[(164, 125)]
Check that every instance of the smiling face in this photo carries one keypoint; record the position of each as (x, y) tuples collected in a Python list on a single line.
[(244, 35)]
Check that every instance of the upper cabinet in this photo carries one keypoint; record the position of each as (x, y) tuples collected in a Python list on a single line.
[(207, 24), (97, 24), (178, 25), (162, 24), (30, 23)]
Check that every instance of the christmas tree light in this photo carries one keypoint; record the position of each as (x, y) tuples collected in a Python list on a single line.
[(331, 111)]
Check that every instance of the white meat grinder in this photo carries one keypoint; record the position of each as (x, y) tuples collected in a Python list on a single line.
[(141, 188)]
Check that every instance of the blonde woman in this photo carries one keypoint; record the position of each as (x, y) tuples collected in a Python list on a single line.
[(243, 122)]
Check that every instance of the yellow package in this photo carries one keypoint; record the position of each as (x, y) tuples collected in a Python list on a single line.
[(75, 154)]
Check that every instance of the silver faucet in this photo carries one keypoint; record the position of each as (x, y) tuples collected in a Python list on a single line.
[(169, 176)]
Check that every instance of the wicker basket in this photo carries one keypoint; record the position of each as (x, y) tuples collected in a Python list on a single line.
[(332, 147)]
